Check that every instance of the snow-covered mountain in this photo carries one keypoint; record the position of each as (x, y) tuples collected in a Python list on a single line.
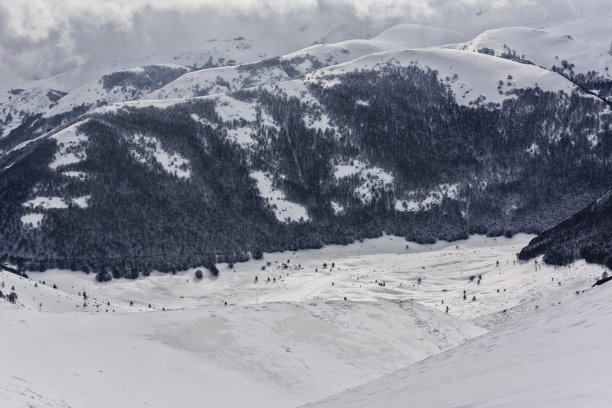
[(580, 51), (93, 83), (296, 152), (208, 82)]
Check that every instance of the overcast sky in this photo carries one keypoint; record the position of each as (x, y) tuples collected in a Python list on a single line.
[(39, 38)]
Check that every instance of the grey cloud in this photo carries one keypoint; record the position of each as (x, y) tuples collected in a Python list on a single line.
[(39, 38)]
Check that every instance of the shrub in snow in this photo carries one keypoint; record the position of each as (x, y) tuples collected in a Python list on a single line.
[(199, 274), (103, 276), (213, 269)]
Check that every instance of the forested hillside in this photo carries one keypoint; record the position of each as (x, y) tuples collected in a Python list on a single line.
[(135, 188), (587, 234)]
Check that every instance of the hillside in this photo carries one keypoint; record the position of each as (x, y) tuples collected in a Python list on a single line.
[(524, 364), (106, 81), (585, 235), (581, 50), (299, 63)]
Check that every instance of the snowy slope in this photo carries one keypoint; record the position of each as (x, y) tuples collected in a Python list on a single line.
[(212, 81), (274, 354), (95, 93), (281, 342), (592, 28), (213, 51), (557, 357), (548, 48), (82, 85), (17, 104), (469, 75)]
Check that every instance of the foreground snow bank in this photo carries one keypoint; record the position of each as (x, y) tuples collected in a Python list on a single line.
[(559, 357), (265, 355)]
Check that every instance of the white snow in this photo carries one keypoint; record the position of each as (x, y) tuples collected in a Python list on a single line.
[(241, 135), (594, 28), (229, 109), (349, 169), (533, 150), (75, 174), (28, 102), (138, 104), (215, 81), (284, 210), (557, 357), (338, 208), (56, 203), (32, 220), (223, 79), (149, 149), (549, 47), (81, 202), (71, 147), (294, 89), (202, 121), (372, 178), (240, 51), (295, 339), (46, 203), (322, 122), (278, 354), (593, 140), (470, 75), (414, 201)]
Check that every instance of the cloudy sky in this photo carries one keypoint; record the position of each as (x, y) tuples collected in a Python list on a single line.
[(39, 38)]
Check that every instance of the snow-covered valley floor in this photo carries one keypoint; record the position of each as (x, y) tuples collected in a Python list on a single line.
[(290, 337)]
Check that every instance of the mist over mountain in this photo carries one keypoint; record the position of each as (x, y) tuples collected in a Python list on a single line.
[(41, 39)]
